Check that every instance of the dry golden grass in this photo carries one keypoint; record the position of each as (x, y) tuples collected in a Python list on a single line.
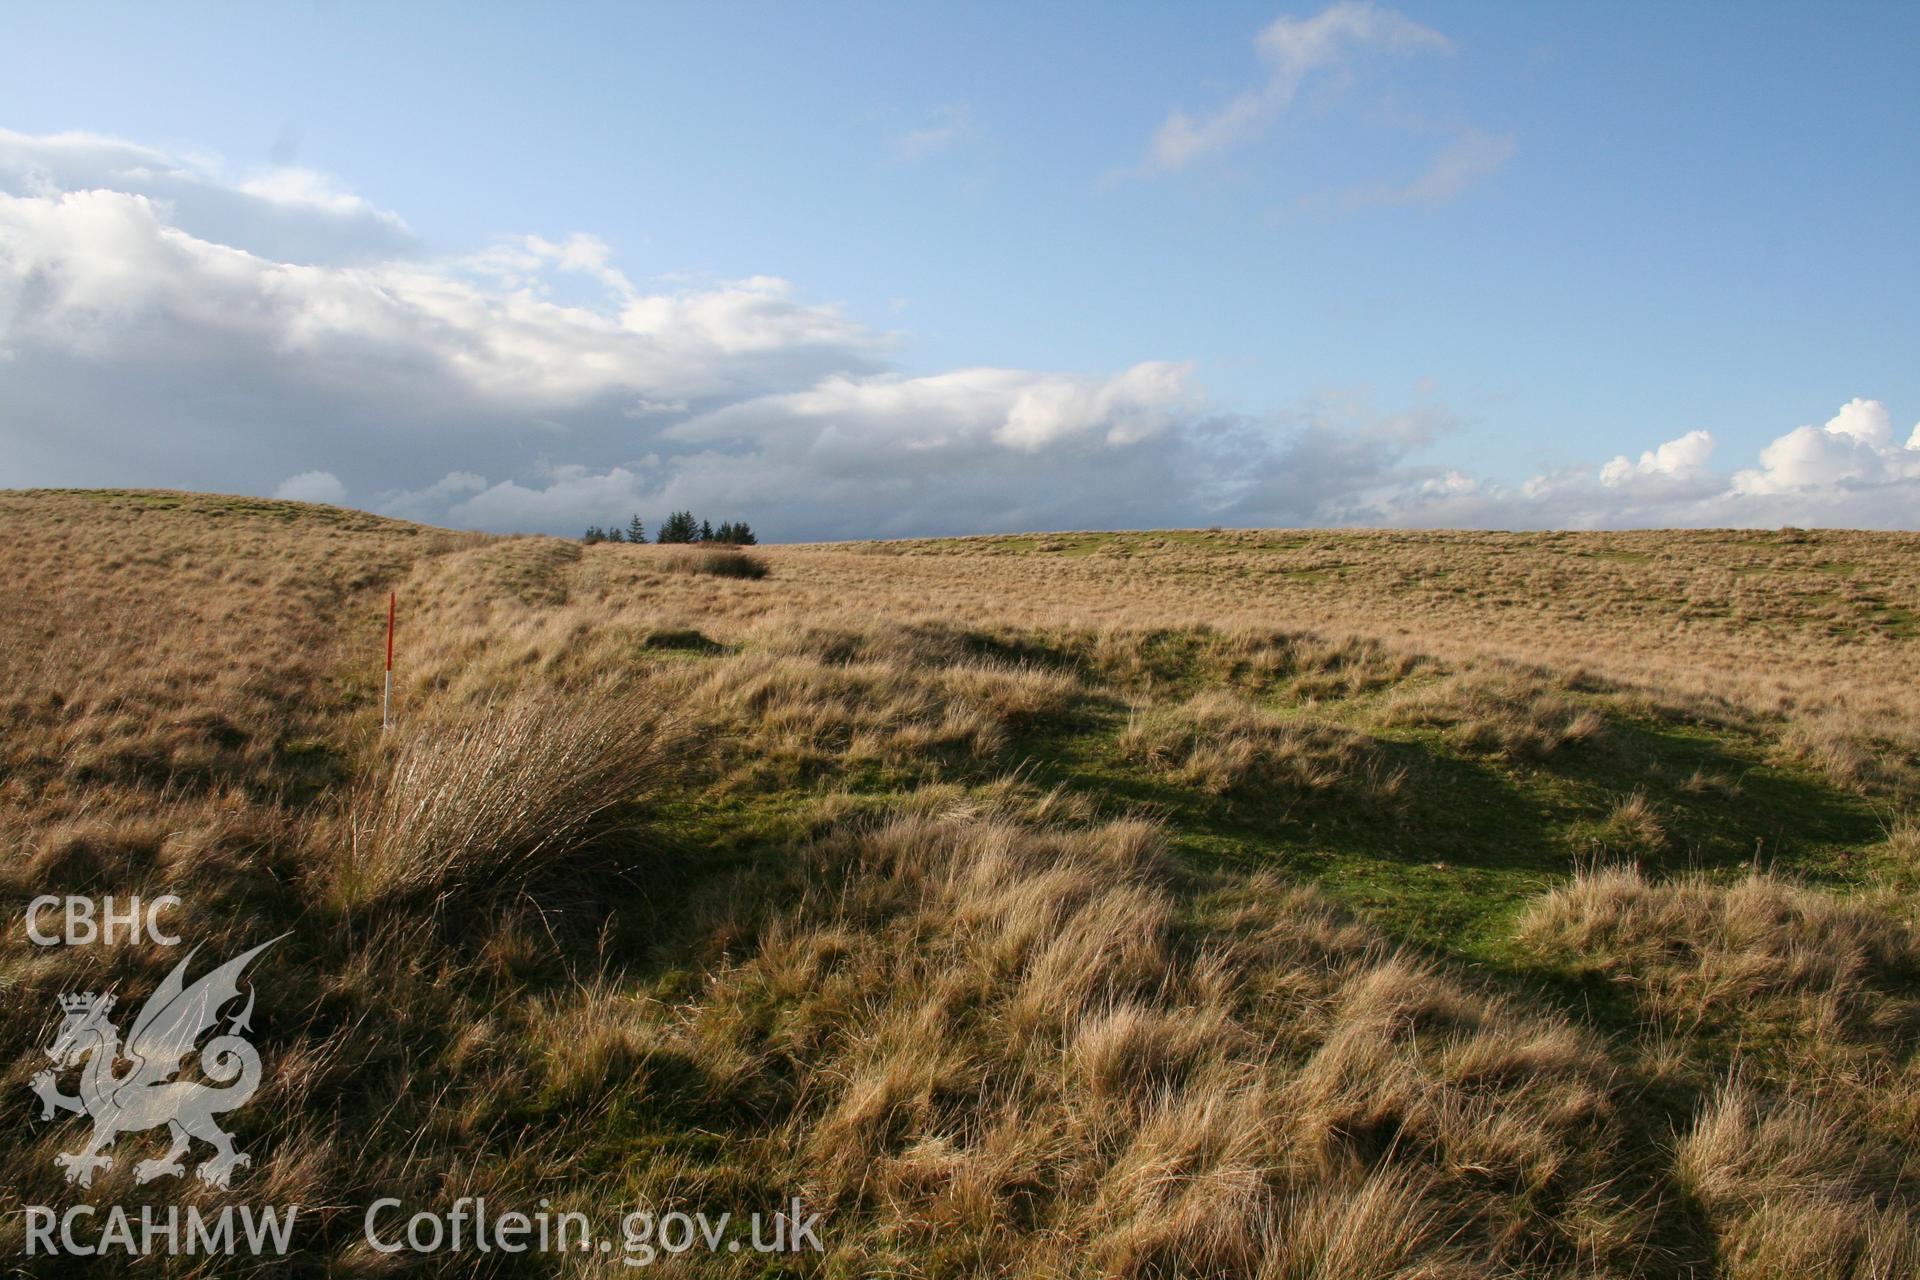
[(727, 563), (1694, 948), (1807, 1151), (865, 881), (1001, 1035), (1819, 626), (1515, 714), (1801, 1195), (807, 710), (1224, 742), (482, 794), (1633, 828)]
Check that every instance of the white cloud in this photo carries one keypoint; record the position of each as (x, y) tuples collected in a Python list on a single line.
[(1449, 484), (106, 270), (1855, 449), (946, 127), (208, 365), (1328, 45), (1866, 421), (291, 215), (141, 352), (968, 409), (313, 486), (1678, 457), (1472, 155), (1291, 50), (303, 188), (1848, 473), (535, 386)]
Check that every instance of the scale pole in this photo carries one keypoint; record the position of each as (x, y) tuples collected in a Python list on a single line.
[(386, 699)]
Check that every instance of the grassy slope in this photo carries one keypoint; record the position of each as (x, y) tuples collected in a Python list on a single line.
[(619, 1026)]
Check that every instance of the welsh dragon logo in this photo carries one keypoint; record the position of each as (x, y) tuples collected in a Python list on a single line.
[(145, 1094)]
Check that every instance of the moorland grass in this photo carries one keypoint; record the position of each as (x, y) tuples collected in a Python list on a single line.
[(1196, 903)]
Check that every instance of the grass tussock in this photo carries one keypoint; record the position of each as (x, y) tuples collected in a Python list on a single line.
[(1513, 716), (1803, 1154), (1695, 948), (1902, 832), (1226, 744), (1837, 747), (1798, 1193), (1003, 1033), (1301, 667), (879, 705), (713, 561), (1633, 828), (478, 795)]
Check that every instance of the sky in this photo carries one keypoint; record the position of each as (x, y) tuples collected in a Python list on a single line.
[(848, 270)]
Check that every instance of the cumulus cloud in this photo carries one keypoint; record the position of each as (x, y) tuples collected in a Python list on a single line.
[(1291, 50), (285, 214), (967, 410), (1679, 457), (897, 456), (1854, 450), (140, 352), (107, 271), (535, 385), (312, 486), (1850, 472), (492, 390)]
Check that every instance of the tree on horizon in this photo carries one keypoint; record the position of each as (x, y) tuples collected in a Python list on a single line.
[(679, 527)]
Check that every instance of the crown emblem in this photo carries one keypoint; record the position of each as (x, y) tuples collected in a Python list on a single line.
[(84, 1001)]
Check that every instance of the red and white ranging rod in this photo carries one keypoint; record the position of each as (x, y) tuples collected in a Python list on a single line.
[(386, 700)]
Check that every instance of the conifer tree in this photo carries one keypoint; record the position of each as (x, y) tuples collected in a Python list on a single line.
[(679, 527)]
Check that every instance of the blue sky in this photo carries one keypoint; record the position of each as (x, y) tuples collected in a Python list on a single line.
[(1400, 264)]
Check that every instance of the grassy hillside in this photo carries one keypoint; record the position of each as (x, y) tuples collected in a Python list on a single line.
[(1291, 904)]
